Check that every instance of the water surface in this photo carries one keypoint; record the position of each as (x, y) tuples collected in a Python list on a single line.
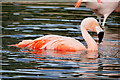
[(22, 21)]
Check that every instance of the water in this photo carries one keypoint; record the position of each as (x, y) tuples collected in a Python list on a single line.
[(22, 21)]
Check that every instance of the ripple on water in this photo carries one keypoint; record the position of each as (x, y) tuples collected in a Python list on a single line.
[(63, 20), (80, 8), (43, 7)]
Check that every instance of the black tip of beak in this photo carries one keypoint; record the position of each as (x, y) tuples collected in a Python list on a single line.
[(100, 36)]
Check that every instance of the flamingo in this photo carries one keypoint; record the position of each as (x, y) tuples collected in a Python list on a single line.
[(102, 8), (62, 43), (118, 8)]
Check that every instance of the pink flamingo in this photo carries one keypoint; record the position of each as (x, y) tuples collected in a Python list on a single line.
[(62, 43), (102, 8), (118, 8)]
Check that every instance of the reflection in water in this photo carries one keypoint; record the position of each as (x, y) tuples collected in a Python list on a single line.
[(23, 21), (65, 54)]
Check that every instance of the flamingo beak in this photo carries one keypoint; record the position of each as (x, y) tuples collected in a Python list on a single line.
[(78, 3), (100, 36), (100, 33)]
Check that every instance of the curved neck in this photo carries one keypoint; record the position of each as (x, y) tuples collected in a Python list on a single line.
[(92, 45)]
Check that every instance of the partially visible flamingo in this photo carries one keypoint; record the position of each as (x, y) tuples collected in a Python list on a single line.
[(101, 8), (62, 43), (118, 8)]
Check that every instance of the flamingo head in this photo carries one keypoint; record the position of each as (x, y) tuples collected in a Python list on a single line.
[(78, 3), (92, 24)]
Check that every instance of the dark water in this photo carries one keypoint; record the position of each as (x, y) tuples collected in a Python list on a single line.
[(22, 21)]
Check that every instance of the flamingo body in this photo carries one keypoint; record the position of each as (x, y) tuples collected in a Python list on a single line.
[(54, 42)]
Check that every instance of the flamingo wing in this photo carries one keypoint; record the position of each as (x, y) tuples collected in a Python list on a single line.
[(53, 42), (66, 45)]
